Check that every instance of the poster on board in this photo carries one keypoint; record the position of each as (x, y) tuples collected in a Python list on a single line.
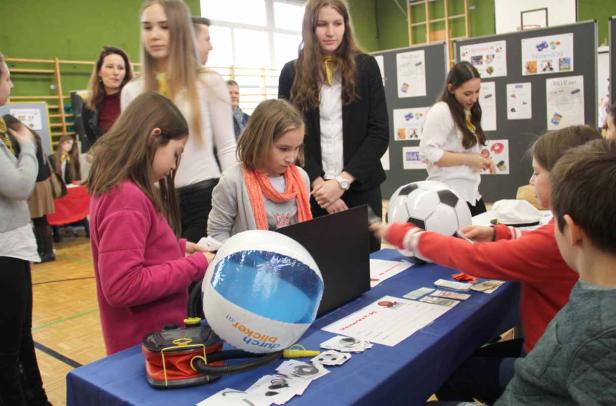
[(411, 158), (411, 69), (408, 123), (28, 116), (550, 54), (487, 101), (490, 58), (498, 152), (565, 101), (519, 101)]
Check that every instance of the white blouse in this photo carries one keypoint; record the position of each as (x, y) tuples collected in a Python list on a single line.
[(330, 114), (440, 135), (198, 162)]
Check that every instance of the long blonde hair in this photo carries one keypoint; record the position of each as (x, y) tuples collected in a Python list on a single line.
[(270, 121), (308, 68), (127, 150), (183, 67)]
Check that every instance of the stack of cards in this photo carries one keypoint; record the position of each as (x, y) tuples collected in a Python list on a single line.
[(417, 293), (451, 295), (487, 286), (331, 358), (346, 344), (439, 301), (443, 283)]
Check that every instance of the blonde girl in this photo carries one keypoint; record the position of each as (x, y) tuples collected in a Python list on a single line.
[(266, 190), (171, 67), (142, 272)]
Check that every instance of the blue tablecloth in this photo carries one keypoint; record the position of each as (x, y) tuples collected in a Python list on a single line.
[(405, 374)]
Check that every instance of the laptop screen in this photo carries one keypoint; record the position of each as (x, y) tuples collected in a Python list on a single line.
[(339, 244)]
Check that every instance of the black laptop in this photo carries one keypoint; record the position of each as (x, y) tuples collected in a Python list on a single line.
[(339, 244)]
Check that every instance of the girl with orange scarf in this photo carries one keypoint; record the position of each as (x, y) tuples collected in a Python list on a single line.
[(266, 190)]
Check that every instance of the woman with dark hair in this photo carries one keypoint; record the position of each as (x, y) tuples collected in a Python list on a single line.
[(101, 109), (65, 161), (339, 90), (452, 134)]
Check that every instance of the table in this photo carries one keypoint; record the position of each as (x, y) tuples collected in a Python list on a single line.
[(72, 207), (405, 374)]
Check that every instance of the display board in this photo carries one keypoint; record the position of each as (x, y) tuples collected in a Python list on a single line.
[(413, 78), (35, 116), (532, 81)]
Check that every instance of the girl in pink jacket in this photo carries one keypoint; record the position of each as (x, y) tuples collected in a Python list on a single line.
[(142, 270)]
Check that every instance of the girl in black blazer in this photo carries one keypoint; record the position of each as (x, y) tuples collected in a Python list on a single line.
[(340, 91)]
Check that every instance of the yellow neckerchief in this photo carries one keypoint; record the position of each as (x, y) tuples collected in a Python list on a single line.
[(163, 84), (66, 157), (467, 121), (4, 135), (329, 68)]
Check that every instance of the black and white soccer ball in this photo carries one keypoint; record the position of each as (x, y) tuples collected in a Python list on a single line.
[(430, 205)]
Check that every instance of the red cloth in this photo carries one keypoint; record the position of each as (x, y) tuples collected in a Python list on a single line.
[(74, 206), (533, 260), (109, 111), (142, 275)]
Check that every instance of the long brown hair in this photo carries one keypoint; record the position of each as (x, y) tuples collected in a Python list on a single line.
[(96, 89), (548, 148), (308, 67), (183, 67), (127, 152), (460, 73), (73, 167), (270, 121)]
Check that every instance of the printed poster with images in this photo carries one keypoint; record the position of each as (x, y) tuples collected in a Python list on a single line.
[(490, 58), (30, 117), (544, 55), (519, 101), (411, 158), (565, 101), (408, 123), (498, 152), (411, 69), (381, 62), (487, 100)]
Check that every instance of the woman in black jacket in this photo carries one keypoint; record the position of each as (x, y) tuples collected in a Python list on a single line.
[(340, 91), (101, 108)]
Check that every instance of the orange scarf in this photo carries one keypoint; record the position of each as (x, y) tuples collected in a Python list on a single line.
[(259, 185)]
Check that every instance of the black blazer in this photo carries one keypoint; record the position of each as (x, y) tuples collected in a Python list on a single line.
[(365, 126)]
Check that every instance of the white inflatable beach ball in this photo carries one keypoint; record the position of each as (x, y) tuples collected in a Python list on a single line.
[(261, 292)]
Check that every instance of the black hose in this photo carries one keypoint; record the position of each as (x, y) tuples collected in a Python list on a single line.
[(195, 300), (259, 360)]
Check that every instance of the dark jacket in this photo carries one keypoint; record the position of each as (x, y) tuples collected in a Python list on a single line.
[(90, 124), (365, 126), (236, 125)]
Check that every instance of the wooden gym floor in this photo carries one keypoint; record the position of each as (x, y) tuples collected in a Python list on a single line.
[(65, 322)]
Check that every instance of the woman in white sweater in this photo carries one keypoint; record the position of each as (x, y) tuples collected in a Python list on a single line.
[(19, 373), (171, 67), (452, 134)]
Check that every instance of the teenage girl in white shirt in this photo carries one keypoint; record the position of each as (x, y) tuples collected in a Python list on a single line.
[(171, 67), (452, 134)]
